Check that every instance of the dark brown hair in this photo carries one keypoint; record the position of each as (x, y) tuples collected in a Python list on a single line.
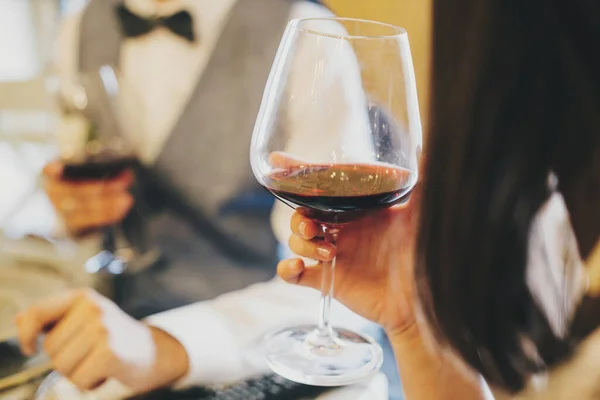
[(516, 96)]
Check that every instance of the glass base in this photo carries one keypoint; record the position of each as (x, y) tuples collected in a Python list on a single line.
[(301, 355)]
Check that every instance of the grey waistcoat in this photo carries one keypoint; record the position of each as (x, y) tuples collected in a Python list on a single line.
[(205, 160)]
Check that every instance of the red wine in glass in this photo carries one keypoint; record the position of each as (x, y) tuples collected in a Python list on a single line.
[(97, 168), (339, 193)]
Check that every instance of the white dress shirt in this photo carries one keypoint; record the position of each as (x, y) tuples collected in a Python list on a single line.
[(220, 335), (160, 67)]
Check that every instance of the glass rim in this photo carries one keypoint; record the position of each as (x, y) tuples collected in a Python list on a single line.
[(399, 31)]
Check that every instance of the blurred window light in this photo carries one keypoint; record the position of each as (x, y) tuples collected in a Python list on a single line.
[(19, 59)]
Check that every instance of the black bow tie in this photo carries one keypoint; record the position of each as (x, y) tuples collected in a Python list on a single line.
[(133, 25)]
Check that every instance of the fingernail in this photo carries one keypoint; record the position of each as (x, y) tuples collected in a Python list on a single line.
[(302, 227), (324, 252)]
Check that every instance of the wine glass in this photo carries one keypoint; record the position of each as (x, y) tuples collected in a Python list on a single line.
[(338, 135), (99, 118)]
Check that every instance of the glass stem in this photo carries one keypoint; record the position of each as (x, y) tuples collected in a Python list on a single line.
[(109, 239), (324, 328)]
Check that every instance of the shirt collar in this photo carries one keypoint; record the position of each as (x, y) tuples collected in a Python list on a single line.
[(207, 14)]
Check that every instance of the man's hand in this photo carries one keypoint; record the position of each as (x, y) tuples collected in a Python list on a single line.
[(89, 339), (86, 205)]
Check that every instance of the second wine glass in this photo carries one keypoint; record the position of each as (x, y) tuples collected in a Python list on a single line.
[(103, 110), (338, 135)]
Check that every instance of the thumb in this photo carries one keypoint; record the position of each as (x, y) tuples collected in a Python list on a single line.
[(297, 272), (53, 170), (32, 322)]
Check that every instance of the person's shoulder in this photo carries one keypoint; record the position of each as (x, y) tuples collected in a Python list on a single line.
[(310, 9)]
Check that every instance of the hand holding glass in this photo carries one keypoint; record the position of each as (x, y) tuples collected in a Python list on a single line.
[(100, 154), (338, 135)]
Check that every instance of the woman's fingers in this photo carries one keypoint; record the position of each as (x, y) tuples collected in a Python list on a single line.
[(290, 270), (303, 227), (316, 249), (295, 271)]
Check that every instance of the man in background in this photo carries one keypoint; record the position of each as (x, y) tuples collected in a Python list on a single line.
[(199, 68)]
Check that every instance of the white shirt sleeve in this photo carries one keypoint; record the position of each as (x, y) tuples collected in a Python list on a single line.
[(222, 336)]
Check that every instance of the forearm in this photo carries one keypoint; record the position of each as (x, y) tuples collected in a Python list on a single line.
[(220, 335), (171, 362), (429, 376)]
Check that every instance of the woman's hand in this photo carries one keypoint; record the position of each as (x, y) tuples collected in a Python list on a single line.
[(374, 267)]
